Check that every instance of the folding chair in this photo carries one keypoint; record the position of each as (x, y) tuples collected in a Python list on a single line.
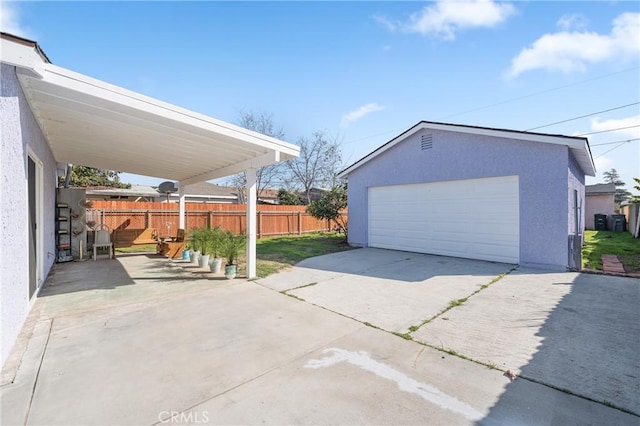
[(101, 240)]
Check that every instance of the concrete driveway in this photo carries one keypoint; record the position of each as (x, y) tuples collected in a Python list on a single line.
[(570, 331), (141, 340)]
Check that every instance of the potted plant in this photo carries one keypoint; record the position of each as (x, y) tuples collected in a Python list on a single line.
[(196, 242), (215, 247), (205, 238), (231, 249)]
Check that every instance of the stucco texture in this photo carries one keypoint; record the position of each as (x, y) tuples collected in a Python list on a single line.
[(542, 168), (576, 183), (599, 204), (19, 130)]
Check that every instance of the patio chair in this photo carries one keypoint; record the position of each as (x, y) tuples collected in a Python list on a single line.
[(101, 240)]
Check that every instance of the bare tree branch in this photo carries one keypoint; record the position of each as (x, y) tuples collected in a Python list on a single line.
[(316, 164), (266, 176)]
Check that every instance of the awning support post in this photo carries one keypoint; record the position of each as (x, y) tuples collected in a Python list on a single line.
[(252, 197), (181, 194)]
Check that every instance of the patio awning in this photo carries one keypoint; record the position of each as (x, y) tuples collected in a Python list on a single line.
[(93, 123)]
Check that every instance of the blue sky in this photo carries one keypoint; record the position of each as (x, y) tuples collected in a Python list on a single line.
[(365, 71)]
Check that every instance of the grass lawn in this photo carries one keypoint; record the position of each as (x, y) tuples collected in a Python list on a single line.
[(622, 244), (278, 253), (137, 249)]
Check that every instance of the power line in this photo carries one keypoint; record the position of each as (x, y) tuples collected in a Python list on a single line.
[(606, 152), (582, 116), (611, 143), (501, 103), (539, 93), (610, 130)]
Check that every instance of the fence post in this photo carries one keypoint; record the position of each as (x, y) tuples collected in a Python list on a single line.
[(209, 218), (299, 223), (259, 224)]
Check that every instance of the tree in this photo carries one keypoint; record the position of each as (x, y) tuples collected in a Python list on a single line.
[(613, 177), (289, 198), (268, 176), (637, 188), (333, 164), (330, 208), (316, 162), (89, 176)]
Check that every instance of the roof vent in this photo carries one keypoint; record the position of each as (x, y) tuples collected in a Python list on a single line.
[(427, 141)]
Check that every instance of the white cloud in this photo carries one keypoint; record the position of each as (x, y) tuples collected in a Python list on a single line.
[(385, 22), (9, 21), (625, 124), (602, 164), (569, 51), (357, 114), (447, 17), (574, 21)]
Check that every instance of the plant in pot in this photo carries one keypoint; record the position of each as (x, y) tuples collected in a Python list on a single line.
[(205, 241), (231, 249), (196, 243), (215, 248)]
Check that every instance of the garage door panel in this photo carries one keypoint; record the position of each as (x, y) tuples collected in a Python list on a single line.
[(477, 218)]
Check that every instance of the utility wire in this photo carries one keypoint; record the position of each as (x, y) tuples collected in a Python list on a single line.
[(500, 103), (615, 147), (614, 142), (610, 130), (582, 116), (539, 93)]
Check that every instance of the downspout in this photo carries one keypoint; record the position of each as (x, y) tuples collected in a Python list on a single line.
[(67, 178)]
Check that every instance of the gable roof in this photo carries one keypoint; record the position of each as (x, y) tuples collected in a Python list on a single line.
[(600, 189), (579, 146)]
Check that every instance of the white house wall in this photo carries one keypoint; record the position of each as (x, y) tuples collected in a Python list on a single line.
[(20, 133)]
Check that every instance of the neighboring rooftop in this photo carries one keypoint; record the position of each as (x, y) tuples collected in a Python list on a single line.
[(600, 188)]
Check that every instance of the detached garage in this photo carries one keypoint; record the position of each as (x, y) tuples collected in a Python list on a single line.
[(480, 193)]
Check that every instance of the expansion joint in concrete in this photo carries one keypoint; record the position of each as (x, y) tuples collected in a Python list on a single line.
[(460, 302), (35, 381)]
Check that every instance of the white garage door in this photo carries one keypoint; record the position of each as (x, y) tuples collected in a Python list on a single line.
[(473, 218)]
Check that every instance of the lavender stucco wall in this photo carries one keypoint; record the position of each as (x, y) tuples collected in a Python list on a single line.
[(19, 130), (575, 183), (542, 170)]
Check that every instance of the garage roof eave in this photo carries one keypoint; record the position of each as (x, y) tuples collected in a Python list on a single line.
[(93, 123), (579, 146)]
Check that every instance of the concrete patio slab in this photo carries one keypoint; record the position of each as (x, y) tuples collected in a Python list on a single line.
[(372, 377), (84, 286), (392, 290), (324, 268), (126, 364), (204, 351), (573, 331)]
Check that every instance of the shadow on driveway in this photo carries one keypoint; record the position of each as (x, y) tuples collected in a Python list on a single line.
[(589, 345)]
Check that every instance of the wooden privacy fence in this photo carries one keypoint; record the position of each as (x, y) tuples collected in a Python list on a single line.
[(271, 220)]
